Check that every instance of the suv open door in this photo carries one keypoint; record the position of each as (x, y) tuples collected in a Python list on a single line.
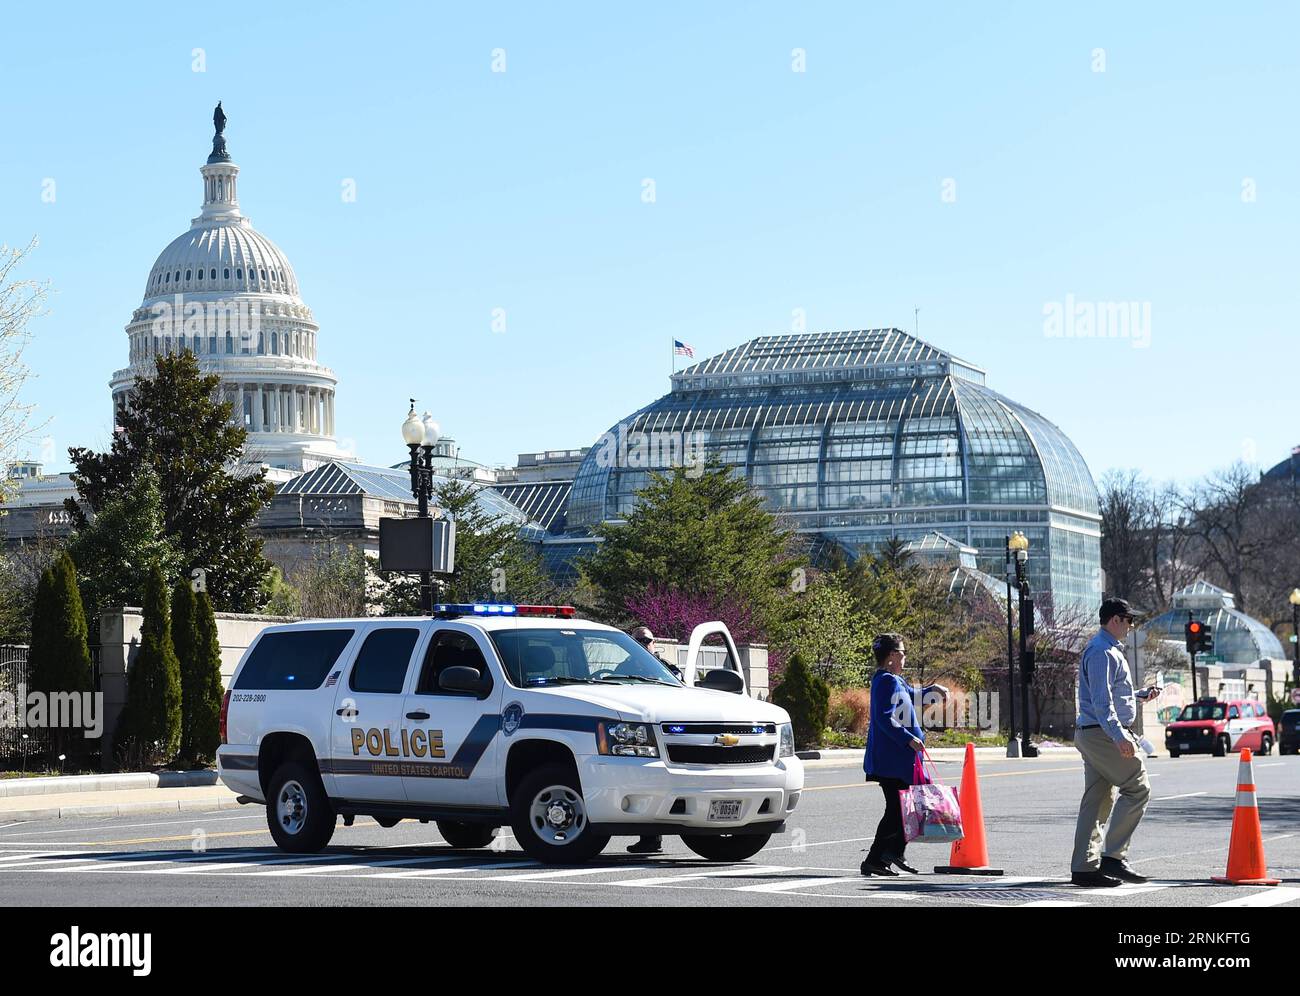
[(702, 661)]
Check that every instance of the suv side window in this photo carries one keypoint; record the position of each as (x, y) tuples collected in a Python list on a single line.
[(382, 661), (449, 648), (1232, 713)]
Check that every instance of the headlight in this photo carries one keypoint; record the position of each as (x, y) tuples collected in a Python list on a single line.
[(787, 740), (1205, 733), (626, 739)]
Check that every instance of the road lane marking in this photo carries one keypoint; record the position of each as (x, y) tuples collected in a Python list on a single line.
[(1185, 795), (355, 867), (819, 843), (721, 873), (428, 872), (995, 774), (794, 883), (1269, 897), (1271, 764), (8, 825), (540, 876)]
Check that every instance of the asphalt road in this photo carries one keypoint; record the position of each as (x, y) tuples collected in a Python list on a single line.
[(226, 858)]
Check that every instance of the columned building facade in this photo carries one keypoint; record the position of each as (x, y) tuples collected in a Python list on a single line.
[(228, 294)]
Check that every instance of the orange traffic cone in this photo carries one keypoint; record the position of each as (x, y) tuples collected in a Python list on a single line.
[(970, 855), (1246, 864)]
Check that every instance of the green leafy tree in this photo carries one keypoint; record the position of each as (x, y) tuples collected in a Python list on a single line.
[(60, 655), (150, 725), (115, 551), (172, 425), (283, 598), (185, 641), (21, 568), (203, 697), (828, 633), (806, 697), (696, 531)]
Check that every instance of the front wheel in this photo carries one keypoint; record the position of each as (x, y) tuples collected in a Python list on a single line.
[(298, 812), (1266, 745), (466, 834), (549, 817), (1173, 751), (1221, 746), (727, 847)]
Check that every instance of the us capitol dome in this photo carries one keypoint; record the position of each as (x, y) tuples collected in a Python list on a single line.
[(229, 294)]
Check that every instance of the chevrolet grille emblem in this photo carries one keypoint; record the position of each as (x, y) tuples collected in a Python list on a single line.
[(726, 740)]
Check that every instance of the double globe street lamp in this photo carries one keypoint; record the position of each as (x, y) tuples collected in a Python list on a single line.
[(1018, 551), (420, 436), (1294, 599)]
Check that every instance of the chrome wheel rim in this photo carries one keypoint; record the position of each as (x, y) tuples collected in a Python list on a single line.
[(291, 807), (557, 815)]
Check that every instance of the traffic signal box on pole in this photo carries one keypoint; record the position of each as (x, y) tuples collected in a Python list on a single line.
[(1199, 639)]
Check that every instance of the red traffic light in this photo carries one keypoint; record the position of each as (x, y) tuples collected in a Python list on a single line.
[(1194, 627)]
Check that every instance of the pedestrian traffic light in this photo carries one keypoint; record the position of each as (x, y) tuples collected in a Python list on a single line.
[(1192, 633)]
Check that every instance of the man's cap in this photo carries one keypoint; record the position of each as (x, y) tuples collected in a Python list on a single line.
[(1112, 607)]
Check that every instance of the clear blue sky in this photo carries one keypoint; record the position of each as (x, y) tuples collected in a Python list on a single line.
[(775, 191)]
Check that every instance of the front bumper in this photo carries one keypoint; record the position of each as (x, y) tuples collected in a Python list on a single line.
[(651, 796), (1191, 741)]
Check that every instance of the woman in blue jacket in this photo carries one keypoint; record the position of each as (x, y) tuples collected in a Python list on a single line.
[(894, 739)]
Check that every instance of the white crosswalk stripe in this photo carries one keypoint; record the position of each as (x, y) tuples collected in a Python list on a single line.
[(1274, 896)]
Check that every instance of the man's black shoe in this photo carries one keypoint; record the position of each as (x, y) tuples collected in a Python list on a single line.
[(646, 845), (1122, 870), (870, 867), (902, 865), (1093, 880)]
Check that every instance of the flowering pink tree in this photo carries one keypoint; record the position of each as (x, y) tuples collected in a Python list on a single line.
[(672, 614)]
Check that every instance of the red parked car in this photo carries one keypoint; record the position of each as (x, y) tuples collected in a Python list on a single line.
[(1212, 727)]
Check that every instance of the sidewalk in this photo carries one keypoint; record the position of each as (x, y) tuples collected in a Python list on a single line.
[(119, 802)]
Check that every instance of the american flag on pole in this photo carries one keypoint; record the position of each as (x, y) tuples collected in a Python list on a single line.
[(683, 349)]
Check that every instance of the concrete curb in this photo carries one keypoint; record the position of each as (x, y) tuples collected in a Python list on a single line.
[(837, 757), (225, 800), (12, 787)]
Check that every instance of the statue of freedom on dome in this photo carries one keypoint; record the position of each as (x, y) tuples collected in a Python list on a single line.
[(219, 153)]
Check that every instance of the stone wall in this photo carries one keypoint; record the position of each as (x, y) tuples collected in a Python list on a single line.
[(119, 643)]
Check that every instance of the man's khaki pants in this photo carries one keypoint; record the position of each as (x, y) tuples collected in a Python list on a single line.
[(1104, 770)]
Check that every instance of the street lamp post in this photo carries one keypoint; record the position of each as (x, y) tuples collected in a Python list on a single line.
[(1013, 746), (1019, 544), (1295, 635), (420, 436)]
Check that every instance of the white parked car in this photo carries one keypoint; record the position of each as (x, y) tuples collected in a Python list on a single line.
[(485, 716)]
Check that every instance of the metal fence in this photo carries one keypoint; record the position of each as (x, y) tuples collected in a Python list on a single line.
[(21, 746)]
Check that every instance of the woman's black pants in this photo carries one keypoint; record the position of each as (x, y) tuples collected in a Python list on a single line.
[(890, 843)]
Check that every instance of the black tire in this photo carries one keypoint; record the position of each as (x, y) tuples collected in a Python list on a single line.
[(310, 828), (466, 834), (580, 843), (1173, 751), (727, 847), (1266, 745), (1221, 745)]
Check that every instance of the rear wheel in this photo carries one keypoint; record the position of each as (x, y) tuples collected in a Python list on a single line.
[(1266, 744), (298, 812), (549, 817), (1221, 745), (466, 834), (1173, 751), (726, 847)]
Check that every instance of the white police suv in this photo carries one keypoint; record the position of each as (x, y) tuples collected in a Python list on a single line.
[(488, 715)]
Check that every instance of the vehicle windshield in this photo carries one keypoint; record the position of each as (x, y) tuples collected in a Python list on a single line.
[(540, 657), (1201, 711)]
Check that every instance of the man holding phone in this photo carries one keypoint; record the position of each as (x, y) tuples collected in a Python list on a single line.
[(1112, 755)]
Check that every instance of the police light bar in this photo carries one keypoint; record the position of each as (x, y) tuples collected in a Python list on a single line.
[(447, 609)]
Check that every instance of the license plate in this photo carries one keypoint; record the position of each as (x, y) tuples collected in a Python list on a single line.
[(725, 809), (1184, 746)]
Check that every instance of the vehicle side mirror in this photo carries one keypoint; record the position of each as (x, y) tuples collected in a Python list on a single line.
[(464, 679), (722, 680)]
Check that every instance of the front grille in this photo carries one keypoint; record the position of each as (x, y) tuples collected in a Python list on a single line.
[(690, 754), (738, 729)]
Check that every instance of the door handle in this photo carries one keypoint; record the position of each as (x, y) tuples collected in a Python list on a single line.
[(417, 715), (347, 712)]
